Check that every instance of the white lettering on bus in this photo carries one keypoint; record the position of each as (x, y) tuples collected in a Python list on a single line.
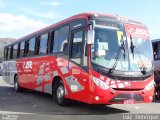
[(28, 65), (141, 32), (138, 31)]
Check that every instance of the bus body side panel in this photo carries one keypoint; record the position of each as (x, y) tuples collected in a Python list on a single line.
[(38, 74), (9, 71)]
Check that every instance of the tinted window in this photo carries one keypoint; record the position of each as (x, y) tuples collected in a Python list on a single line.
[(60, 39), (9, 51), (21, 54), (156, 50), (76, 47), (15, 50), (31, 48), (43, 44), (76, 50), (6, 53)]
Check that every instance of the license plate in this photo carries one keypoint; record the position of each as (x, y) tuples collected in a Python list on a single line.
[(129, 101)]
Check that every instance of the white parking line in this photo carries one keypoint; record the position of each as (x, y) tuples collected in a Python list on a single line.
[(10, 112)]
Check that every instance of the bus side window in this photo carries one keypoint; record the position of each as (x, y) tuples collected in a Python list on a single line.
[(15, 51), (76, 47), (31, 49), (6, 53), (11, 53), (60, 38), (43, 44), (22, 46), (156, 51)]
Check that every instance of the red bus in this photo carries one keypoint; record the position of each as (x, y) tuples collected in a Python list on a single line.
[(93, 58)]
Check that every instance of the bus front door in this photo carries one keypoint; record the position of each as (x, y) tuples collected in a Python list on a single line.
[(78, 65)]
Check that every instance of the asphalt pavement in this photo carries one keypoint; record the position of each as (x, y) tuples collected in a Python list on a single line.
[(28, 105)]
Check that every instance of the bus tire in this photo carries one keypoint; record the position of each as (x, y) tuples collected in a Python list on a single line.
[(60, 93), (17, 87)]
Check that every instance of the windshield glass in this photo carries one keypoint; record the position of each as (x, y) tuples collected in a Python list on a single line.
[(108, 45), (142, 56)]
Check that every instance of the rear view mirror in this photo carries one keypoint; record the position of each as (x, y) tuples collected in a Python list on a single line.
[(90, 35)]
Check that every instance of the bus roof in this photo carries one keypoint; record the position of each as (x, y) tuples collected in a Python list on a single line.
[(155, 40), (80, 16)]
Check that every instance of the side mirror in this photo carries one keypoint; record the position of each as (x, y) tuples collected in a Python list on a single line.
[(90, 36)]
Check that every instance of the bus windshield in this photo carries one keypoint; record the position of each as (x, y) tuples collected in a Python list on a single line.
[(108, 45), (142, 55)]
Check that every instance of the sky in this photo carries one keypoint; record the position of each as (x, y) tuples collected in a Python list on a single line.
[(21, 17)]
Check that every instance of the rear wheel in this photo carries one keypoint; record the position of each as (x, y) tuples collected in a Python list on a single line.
[(60, 93), (16, 84)]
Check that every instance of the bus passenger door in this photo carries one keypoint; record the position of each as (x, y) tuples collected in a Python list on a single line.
[(78, 65)]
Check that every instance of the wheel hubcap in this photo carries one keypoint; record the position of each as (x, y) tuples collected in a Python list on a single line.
[(60, 94), (16, 85)]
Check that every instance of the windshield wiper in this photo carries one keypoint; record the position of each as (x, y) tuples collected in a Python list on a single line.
[(143, 69), (118, 55), (132, 46)]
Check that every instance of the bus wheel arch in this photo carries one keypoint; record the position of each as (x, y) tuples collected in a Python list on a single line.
[(58, 91)]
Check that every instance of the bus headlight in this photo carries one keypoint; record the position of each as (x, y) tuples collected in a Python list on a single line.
[(100, 83), (150, 85)]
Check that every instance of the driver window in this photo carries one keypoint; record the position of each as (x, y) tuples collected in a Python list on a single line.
[(76, 47)]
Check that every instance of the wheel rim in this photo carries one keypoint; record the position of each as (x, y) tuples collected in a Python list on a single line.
[(16, 85), (60, 94)]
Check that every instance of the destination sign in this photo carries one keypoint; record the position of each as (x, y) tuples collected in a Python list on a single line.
[(108, 24)]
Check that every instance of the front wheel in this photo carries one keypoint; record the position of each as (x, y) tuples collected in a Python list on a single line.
[(60, 93)]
